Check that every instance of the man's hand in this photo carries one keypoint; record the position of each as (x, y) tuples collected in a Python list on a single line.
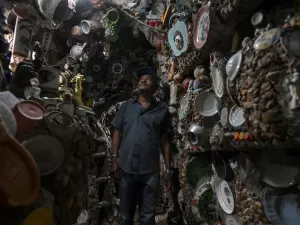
[(167, 177), (114, 169)]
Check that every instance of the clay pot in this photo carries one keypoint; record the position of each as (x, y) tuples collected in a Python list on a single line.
[(27, 113)]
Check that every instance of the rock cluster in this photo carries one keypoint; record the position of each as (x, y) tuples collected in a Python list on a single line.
[(258, 88), (249, 206)]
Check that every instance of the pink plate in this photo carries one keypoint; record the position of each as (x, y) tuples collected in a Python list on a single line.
[(201, 28)]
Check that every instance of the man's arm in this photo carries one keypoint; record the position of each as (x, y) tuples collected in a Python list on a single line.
[(118, 125), (166, 150), (165, 141), (116, 142)]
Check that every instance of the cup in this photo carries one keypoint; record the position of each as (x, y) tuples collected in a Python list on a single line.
[(88, 26)]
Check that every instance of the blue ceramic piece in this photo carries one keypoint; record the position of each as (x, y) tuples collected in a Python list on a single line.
[(178, 31)]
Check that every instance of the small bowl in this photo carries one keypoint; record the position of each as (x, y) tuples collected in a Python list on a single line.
[(236, 117), (258, 20)]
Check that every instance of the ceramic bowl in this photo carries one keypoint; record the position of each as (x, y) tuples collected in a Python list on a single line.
[(258, 20), (206, 104), (233, 65), (236, 117)]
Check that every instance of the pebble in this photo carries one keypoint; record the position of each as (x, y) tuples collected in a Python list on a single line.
[(247, 105), (265, 86)]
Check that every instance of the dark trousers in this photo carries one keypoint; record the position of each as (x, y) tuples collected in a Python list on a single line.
[(141, 189)]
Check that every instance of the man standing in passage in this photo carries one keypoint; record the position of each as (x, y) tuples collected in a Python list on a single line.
[(141, 130)]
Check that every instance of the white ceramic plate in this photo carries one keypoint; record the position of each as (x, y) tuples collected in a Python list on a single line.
[(233, 65), (236, 116), (225, 196), (206, 104)]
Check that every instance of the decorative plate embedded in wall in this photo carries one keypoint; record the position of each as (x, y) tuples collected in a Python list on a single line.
[(202, 26), (178, 38)]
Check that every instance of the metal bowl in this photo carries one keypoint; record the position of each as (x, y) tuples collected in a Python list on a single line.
[(194, 134)]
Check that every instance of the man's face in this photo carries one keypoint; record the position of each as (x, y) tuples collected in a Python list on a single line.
[(145, 83)]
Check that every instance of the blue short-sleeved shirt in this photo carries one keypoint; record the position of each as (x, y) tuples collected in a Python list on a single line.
[(141, 135)]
